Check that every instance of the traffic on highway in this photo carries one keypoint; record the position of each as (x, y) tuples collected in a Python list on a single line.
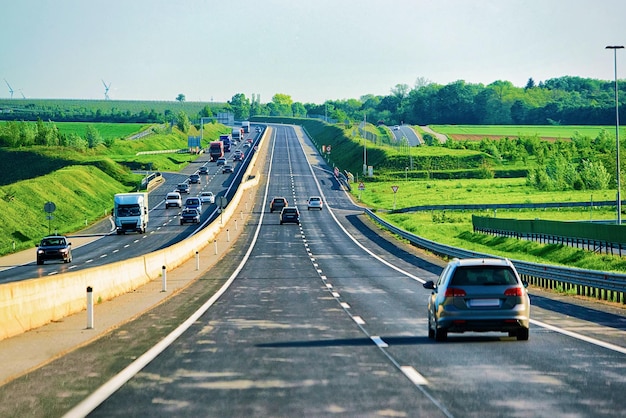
[(164, 227), (330, 317)]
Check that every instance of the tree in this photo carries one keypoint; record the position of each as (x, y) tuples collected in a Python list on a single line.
[(92, 136), (241, 106), (281, 105), (530, 84), (182, 121), (180, 98)]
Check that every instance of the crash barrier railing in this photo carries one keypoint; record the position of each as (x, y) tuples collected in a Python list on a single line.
[(592, 235), (592, 283)]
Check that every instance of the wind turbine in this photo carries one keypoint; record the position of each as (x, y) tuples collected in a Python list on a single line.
[(22, 93), (10, 88), (106, 90)]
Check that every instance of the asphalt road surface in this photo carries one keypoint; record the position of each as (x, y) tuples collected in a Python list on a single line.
[(317, 323)]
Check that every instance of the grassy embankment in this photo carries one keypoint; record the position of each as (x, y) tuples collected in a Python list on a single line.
[(441, 176), (81, 184)]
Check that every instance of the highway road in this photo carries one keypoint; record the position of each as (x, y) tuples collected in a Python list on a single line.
[(164, 228), (329, 319), (404, 131)]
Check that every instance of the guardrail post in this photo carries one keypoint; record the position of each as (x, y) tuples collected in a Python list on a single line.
[(197, 261), (227, 235), (215, 243), (235, 224), (89, 307), (163, 279)]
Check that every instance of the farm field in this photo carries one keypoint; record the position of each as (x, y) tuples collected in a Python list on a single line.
[(548, 132), (455, 227), (379, 195), (106, 130)]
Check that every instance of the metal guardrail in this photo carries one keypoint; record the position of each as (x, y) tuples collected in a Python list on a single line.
[(593, 283)]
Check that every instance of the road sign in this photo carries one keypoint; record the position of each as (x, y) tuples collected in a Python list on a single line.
[(361, 186), (394, 188), (328, 148), (49, 207), (336, 172)]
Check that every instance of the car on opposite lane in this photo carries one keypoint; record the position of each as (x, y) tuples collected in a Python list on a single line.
[(189, 215), (54, 247), (173, 199), (207, 197), (480, 295), (182, 188), (193, 203)]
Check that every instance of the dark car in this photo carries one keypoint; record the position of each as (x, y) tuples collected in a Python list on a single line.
[(237, 156), (221, 161), (203, 170), (479, 295), (278, 203), (194, 179), (54, 247), (193, 203), (189, 216), (227, 169), (182, 188), (290, 215)]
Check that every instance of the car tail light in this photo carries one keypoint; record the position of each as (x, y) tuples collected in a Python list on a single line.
[(514, 291), (454, 292)]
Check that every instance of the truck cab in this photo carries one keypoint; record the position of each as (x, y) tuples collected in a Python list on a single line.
[(130, 212)]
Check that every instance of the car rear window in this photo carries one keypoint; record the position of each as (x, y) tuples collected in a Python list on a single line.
[(483, 276)]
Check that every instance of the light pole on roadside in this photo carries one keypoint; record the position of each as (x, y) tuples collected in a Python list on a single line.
[(619, 197)]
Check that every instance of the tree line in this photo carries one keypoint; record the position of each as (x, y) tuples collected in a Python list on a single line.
[(559, 101)]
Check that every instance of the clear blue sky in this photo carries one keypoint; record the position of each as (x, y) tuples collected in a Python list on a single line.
[(310, 50)]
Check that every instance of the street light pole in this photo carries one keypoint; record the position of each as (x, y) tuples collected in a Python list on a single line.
[(619, 197)]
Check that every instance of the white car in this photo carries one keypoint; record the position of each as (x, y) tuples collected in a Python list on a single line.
[(173, 199), (207, 197), (314, 202)]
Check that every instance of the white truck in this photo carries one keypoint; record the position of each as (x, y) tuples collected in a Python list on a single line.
[(237, 134), (130, 212)]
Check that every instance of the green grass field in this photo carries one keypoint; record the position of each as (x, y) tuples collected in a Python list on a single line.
[(455, 227), (106, 130), (547, 131)]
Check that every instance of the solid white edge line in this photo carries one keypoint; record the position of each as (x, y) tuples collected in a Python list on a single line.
[(105, 391), (578, 336)]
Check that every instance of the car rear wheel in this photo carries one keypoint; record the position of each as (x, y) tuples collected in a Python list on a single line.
[(431, 332), (441, 334), (523, 334)]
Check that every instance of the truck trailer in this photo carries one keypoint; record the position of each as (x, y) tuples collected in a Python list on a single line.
[(245, 125), (130, 212), (216, 150), (226, 141)]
